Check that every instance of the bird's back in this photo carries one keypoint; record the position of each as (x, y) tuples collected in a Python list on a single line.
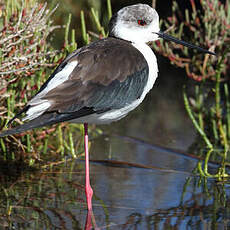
[(107, 75)]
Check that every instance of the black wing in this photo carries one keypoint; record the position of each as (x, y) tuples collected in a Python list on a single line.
[(110, 74)]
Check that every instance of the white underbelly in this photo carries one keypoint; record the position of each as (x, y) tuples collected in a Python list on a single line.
[(109, 116)]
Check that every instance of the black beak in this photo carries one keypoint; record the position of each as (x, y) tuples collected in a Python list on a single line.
[(170, 38)]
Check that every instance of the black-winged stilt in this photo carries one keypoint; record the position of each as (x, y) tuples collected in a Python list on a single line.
[(102, 82)]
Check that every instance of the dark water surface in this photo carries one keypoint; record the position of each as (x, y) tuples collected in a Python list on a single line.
[(139, 176)]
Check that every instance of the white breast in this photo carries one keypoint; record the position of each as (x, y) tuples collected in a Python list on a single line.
[(117, 114), (152, 63)]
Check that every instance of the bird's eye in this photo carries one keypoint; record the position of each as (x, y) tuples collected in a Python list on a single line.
[(141, 22)]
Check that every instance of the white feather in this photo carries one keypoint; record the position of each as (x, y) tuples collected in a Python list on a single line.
[(57, 80), (39, 105), (37, 110)]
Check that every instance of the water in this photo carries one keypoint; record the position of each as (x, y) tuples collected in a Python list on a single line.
[(140, 177), (157, 192)]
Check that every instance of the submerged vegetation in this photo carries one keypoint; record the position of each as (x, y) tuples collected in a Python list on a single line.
[(27, 60), (204, 23)]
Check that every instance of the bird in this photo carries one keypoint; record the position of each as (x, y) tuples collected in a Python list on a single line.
[(103, 81)]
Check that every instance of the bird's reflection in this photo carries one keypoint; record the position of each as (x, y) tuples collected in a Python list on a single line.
[(90, 222)]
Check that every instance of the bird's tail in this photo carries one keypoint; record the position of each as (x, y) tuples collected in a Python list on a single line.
[(48, 118), (43, 120)]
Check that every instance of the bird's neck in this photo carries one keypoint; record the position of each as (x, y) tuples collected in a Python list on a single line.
[(151, 60)]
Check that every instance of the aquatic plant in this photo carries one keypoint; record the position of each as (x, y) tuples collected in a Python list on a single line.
[(204, 23)]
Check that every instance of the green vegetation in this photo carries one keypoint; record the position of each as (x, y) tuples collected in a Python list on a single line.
[(27, 59), (204, 23)]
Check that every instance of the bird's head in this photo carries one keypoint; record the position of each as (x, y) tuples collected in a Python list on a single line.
[(136, 23), (140, 24)]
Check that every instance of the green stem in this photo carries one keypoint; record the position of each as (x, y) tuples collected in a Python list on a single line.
[(195, 123), (72, 150), (60, 140), (199, 166), (199, 105), (83, 29), (109, 9), (3, 148), (97, 21), (67, 30), (206, 164)]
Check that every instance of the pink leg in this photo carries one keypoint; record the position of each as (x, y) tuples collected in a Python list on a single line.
[(88, 189)]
